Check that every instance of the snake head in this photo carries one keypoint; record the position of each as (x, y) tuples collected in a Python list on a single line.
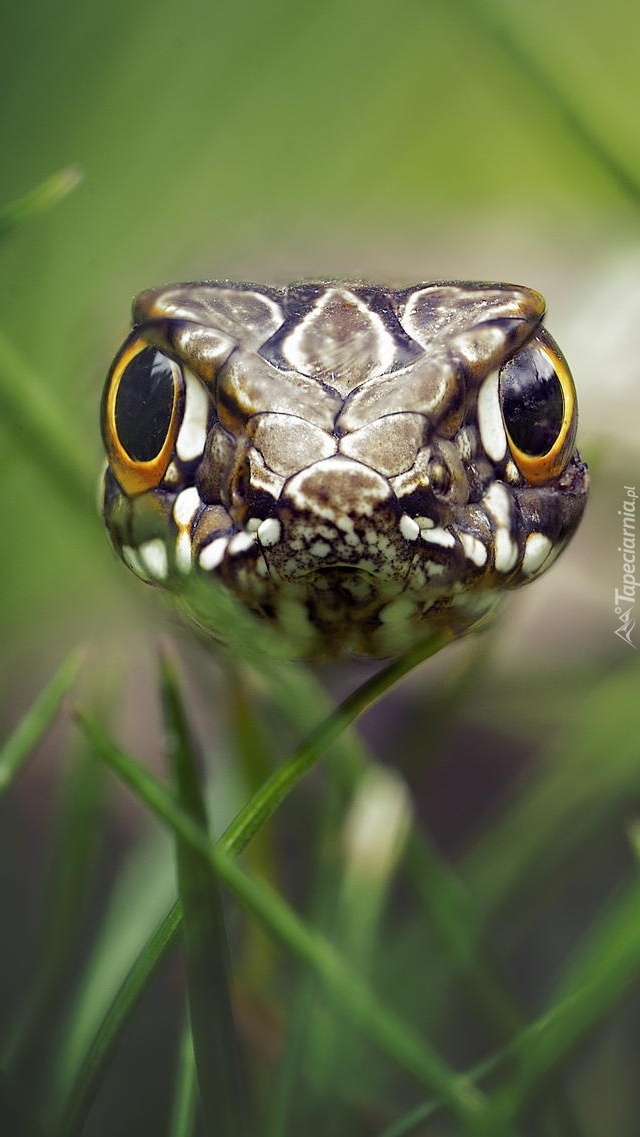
[(360, 467)]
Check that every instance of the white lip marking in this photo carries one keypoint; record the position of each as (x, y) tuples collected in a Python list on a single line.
[(474, 549), (320, 549), (506, 551), (497, 502), (212, 554), (410, 531), (269, 531), (183, 552), (492, 432), (185, 506), (193, 432), (536, 551), (154, 557), (439, 536), (131, 558), (240, 542)]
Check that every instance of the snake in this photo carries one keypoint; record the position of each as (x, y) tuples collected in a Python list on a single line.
[(360, 467)]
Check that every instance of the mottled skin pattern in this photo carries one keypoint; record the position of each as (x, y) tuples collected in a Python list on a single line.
[(337, 477)]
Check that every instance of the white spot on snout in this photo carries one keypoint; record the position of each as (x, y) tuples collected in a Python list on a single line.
[(497, 502), (410, 531), (439, 536), (474, 549), (183, 551), (131, 558), (185, 506), (240, 542), (268, 533), (536, 551), (212, 554), (153, 555), (320, 549)]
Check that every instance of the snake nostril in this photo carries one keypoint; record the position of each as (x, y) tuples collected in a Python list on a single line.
[(439, 476)]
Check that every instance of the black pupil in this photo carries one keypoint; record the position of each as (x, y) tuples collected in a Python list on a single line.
[(532, 401), (144, 404)]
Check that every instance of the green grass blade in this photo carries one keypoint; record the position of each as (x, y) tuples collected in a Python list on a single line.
[(493, 1064), (445, 898), (215, 1043), (30, 412), (255, 755), (369, 841), (300, 698), (39, 200), (185, 1098), (16, 750), (455, 920), (266, 800), (289, 1109), (381, 1026), (603, 970), (97, 1058), (78, 831), (595, 981)]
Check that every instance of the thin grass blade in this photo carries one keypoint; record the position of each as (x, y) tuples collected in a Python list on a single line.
[(300, 698), (112, 1026), (215, 1040), (185, 1098), (381, 1026), (594, 982), (369, 845), (266, 800), (604, 968), (444, 896), (255, 753), (17, 749), (78, 831), (38, 200)]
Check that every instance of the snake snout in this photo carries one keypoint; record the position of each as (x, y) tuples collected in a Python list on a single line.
[(338, 490), (337, 513)]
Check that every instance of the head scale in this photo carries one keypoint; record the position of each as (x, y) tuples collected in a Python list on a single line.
[(360, 466)]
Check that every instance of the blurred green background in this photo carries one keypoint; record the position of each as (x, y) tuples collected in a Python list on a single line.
[(282, 140), (278, 141)]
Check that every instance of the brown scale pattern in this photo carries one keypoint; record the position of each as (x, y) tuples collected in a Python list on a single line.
[(344, 488)]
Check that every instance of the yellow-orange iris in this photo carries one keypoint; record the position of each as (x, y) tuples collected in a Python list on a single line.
[(135, 476), (541, 468)]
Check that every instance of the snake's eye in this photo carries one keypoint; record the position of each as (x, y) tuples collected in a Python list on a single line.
[(141, 413), (538, 401)]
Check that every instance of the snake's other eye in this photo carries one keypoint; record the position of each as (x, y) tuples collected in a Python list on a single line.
[(538, 401), (141, 412)]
